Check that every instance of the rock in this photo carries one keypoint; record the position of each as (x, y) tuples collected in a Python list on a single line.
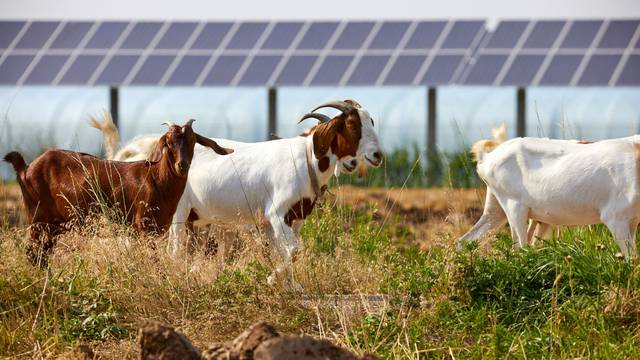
[(292, 347), (243, 346), (162, 342)]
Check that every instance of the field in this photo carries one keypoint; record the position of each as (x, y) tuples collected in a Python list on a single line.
[(563, 298)]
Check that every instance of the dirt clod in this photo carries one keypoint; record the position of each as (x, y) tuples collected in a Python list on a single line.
[(161, 342)]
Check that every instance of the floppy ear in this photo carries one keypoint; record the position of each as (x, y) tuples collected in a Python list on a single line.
[(324, 135), (205, 141), (156, 152)]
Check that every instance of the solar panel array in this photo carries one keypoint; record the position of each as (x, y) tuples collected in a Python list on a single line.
[(560, 53)]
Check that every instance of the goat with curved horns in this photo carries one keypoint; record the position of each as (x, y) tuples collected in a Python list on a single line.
[(280, 179), (61, 184)]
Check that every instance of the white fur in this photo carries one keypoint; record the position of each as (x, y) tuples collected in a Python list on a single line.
[(560, 182)]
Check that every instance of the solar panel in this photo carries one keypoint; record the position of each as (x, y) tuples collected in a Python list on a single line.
[(507, 34), (81, 70), (367, 70), (581, 34), (544, 34), (296, 70), (523, 69), (462, 34), (176, 36), (37, 35), (318, 35), (12, 68), (224, 70), (260, 70), (141, 35), (211, 36), (247, 35), (618, 34), (292, 52), (152, 70), (485, 70), (282, 35), (46, 69), (332, 70), (106, 35), (561, 70), (441, 70), (425, 35), (353, 35), (71, 35), (117, 69), (599, 69), (630, 75), (404, 70), (188, 70), (389, 35), (8, 31)]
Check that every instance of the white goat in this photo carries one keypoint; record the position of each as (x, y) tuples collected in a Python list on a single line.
[(280, 179), (561, 182)]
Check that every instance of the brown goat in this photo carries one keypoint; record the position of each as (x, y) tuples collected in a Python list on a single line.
[(61, 184)]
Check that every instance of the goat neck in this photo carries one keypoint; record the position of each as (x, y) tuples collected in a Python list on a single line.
[(320, 167)]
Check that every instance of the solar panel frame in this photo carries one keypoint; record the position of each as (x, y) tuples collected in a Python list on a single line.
[(630, 75), (247, 35), (224, 70), (117, 69), (405, 69), (354, 35), (561, 70), (318, 35), (211, 35), (188, 70), (332, 69), (462, 34), (581, 34), (152, 70), (260, 70)]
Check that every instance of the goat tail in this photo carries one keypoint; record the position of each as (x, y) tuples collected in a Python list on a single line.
[(17, 161), (481, 148), (110, 135)]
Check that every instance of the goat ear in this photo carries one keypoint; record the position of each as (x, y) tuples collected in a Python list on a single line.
[(324, 135), (156, 152), (205, 141)]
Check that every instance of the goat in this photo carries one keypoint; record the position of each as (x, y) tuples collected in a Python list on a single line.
[(280, 179), (561, 182), (61, 184)]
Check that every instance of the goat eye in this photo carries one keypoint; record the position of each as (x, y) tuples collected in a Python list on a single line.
[(372, 123)]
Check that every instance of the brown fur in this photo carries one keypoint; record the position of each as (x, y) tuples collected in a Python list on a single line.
[(299, 211), (61, 184), (342, 135)]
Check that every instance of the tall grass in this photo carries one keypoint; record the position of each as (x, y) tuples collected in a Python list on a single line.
[(565, 298)]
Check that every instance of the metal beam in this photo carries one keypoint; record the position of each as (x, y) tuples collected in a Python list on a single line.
[(114, 104), (431, 119), (521, 112), (272, 119)]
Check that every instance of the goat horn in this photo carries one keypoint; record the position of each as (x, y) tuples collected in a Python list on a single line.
[(322, 117), (190, 122), (340, 105), (169, 123)]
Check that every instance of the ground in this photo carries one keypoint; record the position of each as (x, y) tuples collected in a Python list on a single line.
[(380, 272)]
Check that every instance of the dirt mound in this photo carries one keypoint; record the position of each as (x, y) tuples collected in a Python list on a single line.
[(260, 342)]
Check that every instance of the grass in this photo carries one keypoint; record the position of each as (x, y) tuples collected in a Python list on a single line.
[(564, 298)]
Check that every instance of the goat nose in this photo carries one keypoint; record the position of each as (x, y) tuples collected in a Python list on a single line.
[(377, 155), (354, 162)]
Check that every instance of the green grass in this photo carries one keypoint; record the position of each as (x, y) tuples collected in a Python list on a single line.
[(563, 298)]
